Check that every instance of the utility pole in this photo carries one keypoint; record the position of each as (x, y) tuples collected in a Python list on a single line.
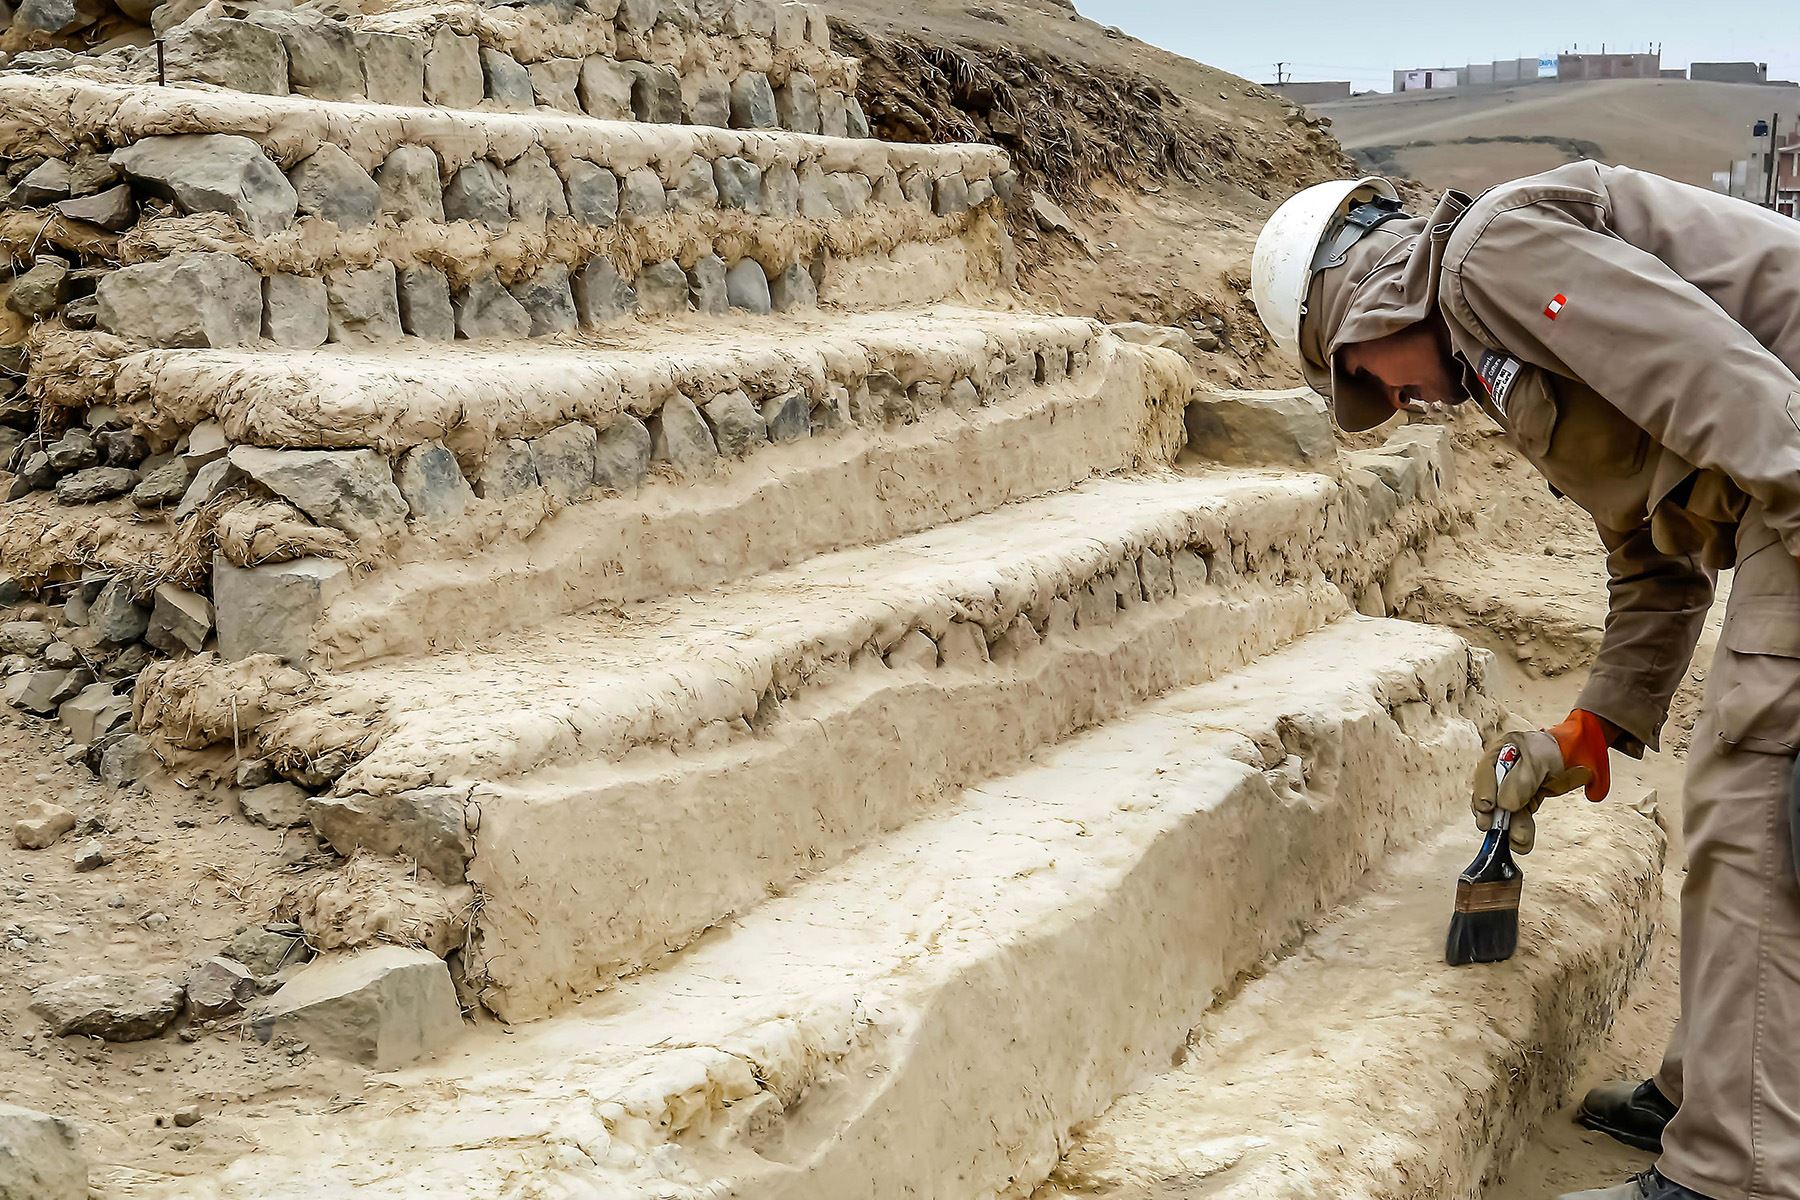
[(1278, 79), (1774, 155)]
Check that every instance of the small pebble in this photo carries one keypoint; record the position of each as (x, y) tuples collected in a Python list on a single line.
[(92, 857), (155, 920), (187, 1115), (181, 1144)]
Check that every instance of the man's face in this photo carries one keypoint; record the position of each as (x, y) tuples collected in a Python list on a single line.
[(1411, 366)]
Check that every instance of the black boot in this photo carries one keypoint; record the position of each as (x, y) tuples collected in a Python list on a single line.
[(1631, 1113), (1648, 1186)]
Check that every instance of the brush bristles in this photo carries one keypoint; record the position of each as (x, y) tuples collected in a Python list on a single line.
[(1483, 936)]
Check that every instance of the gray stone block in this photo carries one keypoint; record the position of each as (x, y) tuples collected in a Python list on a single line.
[(834, 114), (680, 436), (213, 172), (709, 102), (601, 294), (393, 68), (622, 454), (93, 712), (549, 299), (663, 288), (363, 305), (485, 309), (980, 192), (410, 185), (747, 286), (951, 196), (849, 192), (95, 484), (797, 104), (781, 191), (40, 1156), (218, 987), (793, 289), (45, 183), (208, 482), (638, 16), (433, 484), (536, 190), (179, 620), (425, 310), (655, 94), (112, 209), (115, 617), (815, 194), (739, 183), (706, 285), (232, 54), (114, 1008), (643, 195), (384, 1007), (351, 490), (856, 122), (564, 461), (695, 190), (453, 74), (161, 487), (1252, 428), (508, 84), (57, 17), (272, 609), (428, 826), (41, 290), (917, 187), (75, 450), (25, 637), (478, 192), (508, 471), (737, 424), (554, 81), (604, 88), (192, 301), (593, 194), (322, 58), (43, 692), (788, 417), (331, 186), (753, 102)]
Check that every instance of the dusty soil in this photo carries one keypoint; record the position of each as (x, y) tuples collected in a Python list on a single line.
[(187, 872)]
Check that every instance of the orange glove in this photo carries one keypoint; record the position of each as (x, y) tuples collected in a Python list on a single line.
[(1585, 741)]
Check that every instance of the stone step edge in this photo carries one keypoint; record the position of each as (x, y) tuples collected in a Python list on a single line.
[(1464, 1061), (1000, 608), (482, 396), (773, 508), (460, 56), (1069, 907)]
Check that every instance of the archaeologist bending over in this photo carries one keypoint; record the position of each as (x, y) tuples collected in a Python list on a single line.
[(1638, 340)]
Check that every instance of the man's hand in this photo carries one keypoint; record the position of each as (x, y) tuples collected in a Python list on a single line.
[(1551, 761)]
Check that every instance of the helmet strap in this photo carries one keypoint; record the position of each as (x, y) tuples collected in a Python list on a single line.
[(1356, 225)]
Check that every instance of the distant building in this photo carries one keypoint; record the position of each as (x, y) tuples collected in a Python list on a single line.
[(1311, 92), (1575, 67), (1426, 79), (1729, 72), (1673, 73)]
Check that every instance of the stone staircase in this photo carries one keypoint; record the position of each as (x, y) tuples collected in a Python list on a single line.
[(865, 755)]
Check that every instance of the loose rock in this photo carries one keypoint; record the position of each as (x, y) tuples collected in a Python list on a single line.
[(276, 805), (40, 1156), (351, 490), (95, 484), (115, 1008), (179, 620), (115, 617), (265, 953), (41, 825), (384, 1007)]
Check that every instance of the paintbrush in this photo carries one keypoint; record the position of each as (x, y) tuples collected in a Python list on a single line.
[(1485, 926)]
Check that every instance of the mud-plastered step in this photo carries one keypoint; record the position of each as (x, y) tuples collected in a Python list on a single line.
[(1027, 953), (1363, 1068)]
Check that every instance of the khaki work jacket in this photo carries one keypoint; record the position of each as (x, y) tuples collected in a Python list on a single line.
[(1638, 339)]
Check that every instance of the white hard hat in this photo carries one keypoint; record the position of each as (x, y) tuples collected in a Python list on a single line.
[(1309, 234)]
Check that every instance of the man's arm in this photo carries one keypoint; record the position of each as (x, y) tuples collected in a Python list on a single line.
[(1658, 606), (1558, 291)]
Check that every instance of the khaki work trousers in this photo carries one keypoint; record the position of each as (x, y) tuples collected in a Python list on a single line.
[(1733, 1065)]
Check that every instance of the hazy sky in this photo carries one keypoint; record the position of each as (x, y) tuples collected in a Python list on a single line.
[(1335, 40)]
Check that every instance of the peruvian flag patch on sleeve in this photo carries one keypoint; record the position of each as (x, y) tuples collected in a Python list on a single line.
[(1554, 309)]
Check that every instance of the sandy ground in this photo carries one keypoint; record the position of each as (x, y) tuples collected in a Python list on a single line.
[(186, 871)]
